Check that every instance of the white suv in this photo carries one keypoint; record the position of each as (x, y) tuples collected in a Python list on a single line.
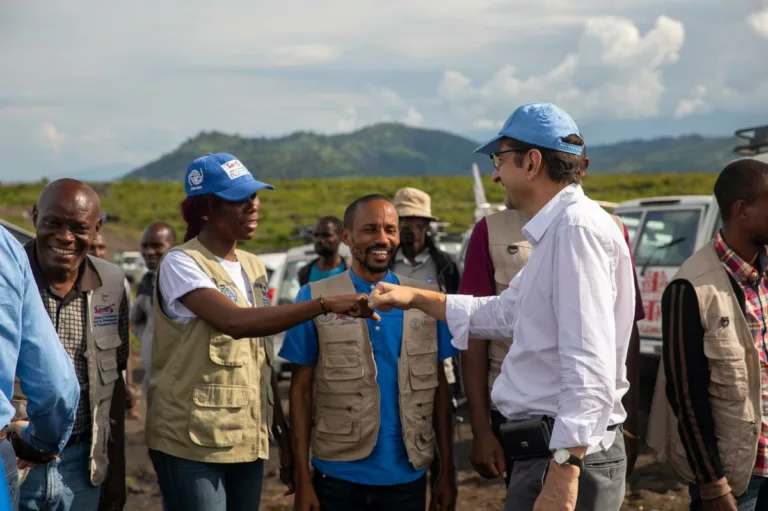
[(284, 286)]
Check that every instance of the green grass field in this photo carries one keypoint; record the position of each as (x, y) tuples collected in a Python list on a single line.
[(300, 202)]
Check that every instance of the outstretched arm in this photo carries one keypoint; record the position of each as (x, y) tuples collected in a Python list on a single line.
[(490, 317)]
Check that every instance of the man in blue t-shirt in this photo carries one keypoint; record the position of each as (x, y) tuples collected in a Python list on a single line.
[(386, 478), (327, 236)]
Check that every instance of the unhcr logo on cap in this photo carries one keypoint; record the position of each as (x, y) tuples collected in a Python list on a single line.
[(195, 179)]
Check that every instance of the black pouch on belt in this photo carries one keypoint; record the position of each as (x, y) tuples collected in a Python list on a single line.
[(526, 439)]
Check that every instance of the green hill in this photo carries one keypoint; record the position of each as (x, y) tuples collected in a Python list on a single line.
[(390, 150), (380, 150), (135, 204)]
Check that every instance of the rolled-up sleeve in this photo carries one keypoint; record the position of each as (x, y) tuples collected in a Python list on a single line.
[(584, 311), (490, 317), (46, 374)]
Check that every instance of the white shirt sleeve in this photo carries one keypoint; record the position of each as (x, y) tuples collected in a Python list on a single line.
[(180, 274), (489, 317), (584, 291)]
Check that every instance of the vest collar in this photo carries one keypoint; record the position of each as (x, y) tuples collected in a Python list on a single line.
[(389, 278), (741, 271)]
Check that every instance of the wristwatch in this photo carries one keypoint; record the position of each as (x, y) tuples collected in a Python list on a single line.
[(565, 457)]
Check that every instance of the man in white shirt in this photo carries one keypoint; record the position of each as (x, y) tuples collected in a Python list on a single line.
[(570, 311)]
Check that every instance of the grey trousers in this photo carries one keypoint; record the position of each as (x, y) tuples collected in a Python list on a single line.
[(601, 483)]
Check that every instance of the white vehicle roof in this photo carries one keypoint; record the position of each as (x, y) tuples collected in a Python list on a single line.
[(307, 252), (20, 234), (273, 259), (671, 199)]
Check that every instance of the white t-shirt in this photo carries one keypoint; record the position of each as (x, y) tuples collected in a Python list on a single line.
[(180, 274)]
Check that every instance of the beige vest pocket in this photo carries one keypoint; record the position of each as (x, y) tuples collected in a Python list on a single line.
[(218, 415)]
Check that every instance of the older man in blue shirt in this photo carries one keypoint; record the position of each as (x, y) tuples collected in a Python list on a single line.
[(31, 351)]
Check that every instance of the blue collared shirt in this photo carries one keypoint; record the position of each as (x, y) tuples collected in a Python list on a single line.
[(388, 463), (32, 351)]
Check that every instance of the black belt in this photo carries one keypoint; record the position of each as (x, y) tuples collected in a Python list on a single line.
[(79, 438), (498, 418)]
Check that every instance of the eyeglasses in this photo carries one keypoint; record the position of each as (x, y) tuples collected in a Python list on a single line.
[(496, 157)]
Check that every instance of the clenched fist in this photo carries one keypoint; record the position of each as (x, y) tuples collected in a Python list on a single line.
[(351, 305), (390, 296)]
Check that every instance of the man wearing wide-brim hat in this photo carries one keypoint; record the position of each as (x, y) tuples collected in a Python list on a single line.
[(418, 257)]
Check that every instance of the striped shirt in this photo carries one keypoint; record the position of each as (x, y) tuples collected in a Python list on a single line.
[(686, 365)]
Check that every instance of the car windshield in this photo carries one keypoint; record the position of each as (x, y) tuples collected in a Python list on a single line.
[(631, 221), (290, 286), (667, 237)]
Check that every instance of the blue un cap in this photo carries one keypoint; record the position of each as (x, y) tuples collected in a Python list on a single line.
[(540, 124), (223, 175)]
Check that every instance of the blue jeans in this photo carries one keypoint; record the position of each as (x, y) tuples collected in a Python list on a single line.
[(754, 499), (11, 472), (189, 485), (336, 494), (63, 484)]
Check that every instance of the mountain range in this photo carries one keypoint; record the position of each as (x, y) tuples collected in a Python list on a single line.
[(391, 149)]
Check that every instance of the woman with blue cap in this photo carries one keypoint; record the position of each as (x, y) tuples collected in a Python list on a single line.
[(211, 396)]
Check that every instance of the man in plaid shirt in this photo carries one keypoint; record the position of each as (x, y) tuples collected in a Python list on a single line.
[(705, 387), (67, 217)]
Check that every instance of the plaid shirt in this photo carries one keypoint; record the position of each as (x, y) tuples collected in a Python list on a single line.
[(754, 283), (69, 316)]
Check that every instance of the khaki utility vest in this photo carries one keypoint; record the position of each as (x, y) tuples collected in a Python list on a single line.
[(210, 395), (734, 382), (347, 399), (509, 251), (102, 341)]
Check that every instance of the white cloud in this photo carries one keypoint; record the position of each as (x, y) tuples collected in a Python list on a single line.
[(348, 122), (413, 117), (378, 105), (615, 73), (696, 104), (487, 124), (133, 86), (758, 21), (692, 106), (51, 136), (304, 55)]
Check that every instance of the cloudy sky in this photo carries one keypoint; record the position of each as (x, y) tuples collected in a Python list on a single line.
[(94, 88)]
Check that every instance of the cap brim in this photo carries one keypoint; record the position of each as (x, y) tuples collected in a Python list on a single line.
[(492, 146), (243, 190)]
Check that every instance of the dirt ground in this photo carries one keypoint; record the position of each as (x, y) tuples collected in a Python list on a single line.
[(652, 486)]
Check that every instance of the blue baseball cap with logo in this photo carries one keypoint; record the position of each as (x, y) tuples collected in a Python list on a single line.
[(540, 124), (223, 175)]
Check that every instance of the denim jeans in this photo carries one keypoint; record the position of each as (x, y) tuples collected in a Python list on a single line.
[(63, 484), (189, 485), (11, 472), (754, 499), (336, 494)]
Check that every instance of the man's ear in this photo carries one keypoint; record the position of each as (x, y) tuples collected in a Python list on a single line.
[(346, 236), (534, 164), (34, 215)]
